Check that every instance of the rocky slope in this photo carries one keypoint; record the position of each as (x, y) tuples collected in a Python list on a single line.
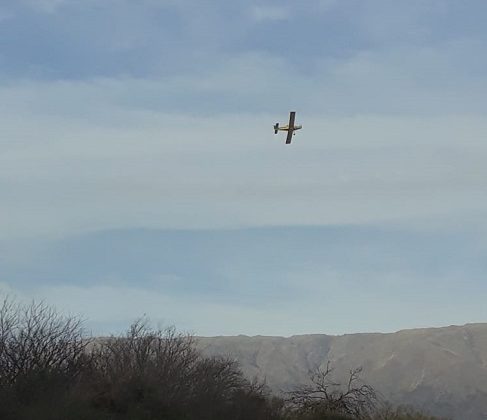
[(441, 370)]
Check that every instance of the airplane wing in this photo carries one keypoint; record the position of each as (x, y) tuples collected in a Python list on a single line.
[(292, 116), (289, 136)]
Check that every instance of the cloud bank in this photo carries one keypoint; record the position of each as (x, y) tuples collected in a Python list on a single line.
[(159, 114)]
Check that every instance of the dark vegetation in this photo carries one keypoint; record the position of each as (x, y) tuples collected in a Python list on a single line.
[(50, 370)]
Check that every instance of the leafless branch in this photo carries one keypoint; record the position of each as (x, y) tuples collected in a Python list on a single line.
[(324, 394)]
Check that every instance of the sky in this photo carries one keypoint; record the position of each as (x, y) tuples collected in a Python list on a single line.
[(140, 175)]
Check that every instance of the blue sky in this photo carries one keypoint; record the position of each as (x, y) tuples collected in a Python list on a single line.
[(139, 172)]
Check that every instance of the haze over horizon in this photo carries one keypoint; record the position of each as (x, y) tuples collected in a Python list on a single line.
[(139, 172)]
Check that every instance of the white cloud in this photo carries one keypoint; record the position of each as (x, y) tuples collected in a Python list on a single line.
[(394, 130), (326, 5), (61, 174), (379, 144), (263, 13), (104, 307), (322, 304)]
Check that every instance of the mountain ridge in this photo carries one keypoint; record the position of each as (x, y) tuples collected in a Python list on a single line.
[(442, 370)]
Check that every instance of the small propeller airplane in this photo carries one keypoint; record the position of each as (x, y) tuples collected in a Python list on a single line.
[(290, 128)]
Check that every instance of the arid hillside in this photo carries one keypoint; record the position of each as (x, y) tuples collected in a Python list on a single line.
[(442, 370)]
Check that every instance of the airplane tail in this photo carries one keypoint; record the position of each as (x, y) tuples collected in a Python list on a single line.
[(276, 128)]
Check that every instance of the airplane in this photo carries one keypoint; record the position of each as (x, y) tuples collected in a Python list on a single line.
[(290, 128)]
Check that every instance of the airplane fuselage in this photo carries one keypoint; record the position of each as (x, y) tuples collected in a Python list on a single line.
[(286, 128)]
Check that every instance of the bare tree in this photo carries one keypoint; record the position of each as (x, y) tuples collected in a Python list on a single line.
[(34, 338), (145, 361), (161, 372), (324, 394), (216, 380), (49, 369)]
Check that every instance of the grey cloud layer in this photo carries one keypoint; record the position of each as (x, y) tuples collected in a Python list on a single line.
[(266, 281), (75, 158), (159, 114), (338, 58), (71, 39)]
